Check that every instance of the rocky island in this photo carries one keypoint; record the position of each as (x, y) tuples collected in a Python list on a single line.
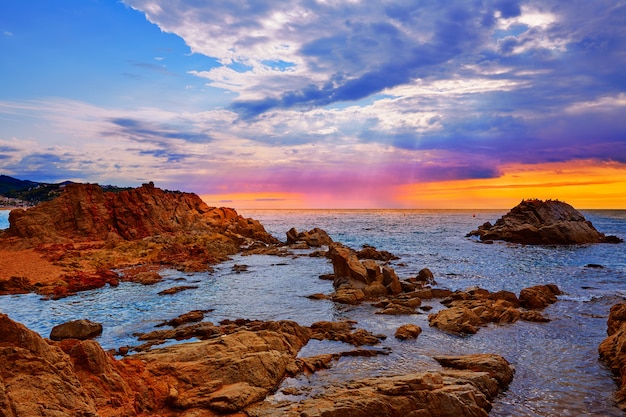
[(537, 222)]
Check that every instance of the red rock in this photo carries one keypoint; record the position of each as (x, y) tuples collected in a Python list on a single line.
[(536, 222), (539, 296), (86, 211), (612, 350), (408, 331)]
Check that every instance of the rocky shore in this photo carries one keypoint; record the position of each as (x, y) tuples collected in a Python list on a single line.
[(89, 238)]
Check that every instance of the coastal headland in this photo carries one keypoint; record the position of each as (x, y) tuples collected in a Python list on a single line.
[(88, 238)]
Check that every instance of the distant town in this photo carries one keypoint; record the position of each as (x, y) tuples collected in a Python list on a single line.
[(12, 203)]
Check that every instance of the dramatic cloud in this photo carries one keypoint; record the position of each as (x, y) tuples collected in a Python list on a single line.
[(337, 98)]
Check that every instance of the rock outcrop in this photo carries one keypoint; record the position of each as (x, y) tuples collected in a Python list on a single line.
[(612, 350), (469, 310), (87, 212), (465, 390), (77, 378), (367, 275), (537, 222), (87, 233), (315, 237)]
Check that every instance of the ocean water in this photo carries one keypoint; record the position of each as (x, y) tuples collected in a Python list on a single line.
[(557, 366), (4, 219)]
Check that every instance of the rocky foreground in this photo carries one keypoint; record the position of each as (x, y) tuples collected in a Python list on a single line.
[(537, 222), (226, 375), (82, 240)]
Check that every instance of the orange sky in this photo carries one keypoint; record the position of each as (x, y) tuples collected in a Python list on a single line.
[(583, 184)]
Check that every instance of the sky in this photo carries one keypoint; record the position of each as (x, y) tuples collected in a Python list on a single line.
[(320, 103)]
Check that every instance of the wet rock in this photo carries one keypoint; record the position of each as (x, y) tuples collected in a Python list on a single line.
[(190, 317), (239, 268), (176, 290), (343, 331), (348, 269), (366, 275), (391, 281), (425, 276), (148, 278), (78, 378), (315, 237), (394, 309), (539, 296), (496, 366), (469, 310), (370, 252), (456, 320), (612, 350), (408, 331), (76, 329), (428, 394), (537, 222), (348, 296)]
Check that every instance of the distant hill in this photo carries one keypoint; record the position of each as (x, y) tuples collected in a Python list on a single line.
[(10, 184), (36, 192)]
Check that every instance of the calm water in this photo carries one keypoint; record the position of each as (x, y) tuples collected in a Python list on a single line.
[(557, 367), (4, 219)]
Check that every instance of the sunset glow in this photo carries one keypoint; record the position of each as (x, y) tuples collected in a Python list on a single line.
[(341, 104)]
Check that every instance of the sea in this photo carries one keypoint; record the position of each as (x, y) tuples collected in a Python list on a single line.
[(558, 372)]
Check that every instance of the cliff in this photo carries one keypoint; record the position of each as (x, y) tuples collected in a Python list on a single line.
[(83, 238), (87, 212)]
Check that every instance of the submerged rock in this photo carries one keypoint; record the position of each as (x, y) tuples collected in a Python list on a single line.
[(537, 222)]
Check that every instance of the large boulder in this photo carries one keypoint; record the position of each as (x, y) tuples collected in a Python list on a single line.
[(348, 269), (612, 350), (537, 222), (76, 329)]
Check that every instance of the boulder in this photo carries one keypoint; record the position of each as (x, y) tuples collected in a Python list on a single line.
[(539, 296), (537, 222), (314, 237), (370, 252), (469, 310), (408, 331), (76, 329), (342, 331), (77, 378), (347, 268), (612, 350), (148, 278)]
